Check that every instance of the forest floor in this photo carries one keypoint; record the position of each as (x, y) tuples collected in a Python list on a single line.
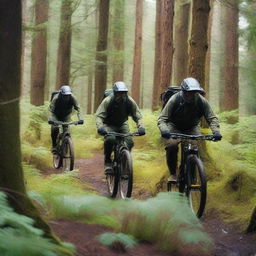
[(229, 241)]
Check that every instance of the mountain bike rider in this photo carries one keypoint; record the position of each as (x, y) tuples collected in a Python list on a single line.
[(182, 114), (61, 108), (112, 115)]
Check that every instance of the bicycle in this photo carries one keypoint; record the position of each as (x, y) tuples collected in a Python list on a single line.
[(191, 179), (122, 176), (64, 156)]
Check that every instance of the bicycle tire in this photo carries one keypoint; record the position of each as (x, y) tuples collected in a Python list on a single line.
[(57, 160), (68, 154), (112, 182), (126, 174), (196, 189)]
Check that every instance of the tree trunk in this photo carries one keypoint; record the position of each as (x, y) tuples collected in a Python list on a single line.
[(208, 54), (180, 58), (198, 44), (164, 49), (89, 93), (11, 174), (39, 53), (64, 50), (252, 225), (136, 75), (158, 57), (229, 96), (101, 55), (167, 50), (24, 20), (118, 41)]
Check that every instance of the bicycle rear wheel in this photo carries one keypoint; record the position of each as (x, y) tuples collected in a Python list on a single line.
[(68, 155), (112, 182), (126, 174), (196, 185)]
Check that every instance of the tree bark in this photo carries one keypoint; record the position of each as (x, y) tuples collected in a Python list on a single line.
[(163, 49), (118, 41), (158, 57), (167, 50), (39, 53), (11, 173), (136, 75), (229, 96), (101, 54), (64, 49), (89, 93), (180, 58), (198, 44)]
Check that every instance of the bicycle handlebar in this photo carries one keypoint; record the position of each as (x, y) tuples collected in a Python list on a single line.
[(123, 135), (65, 123), (192, 137)]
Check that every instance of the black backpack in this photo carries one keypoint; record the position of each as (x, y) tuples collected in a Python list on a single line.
[(167, 94), (53, 94)]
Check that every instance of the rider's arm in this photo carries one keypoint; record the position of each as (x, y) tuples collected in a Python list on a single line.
[(101, 113), (136, 114), (210, 117), (76, 107), (52, 109), (165, 115)]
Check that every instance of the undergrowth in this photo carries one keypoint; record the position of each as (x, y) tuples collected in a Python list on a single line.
[(19, 237), (229, 190)]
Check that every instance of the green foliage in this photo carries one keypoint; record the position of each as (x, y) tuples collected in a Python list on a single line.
[(111, 239), (165, 219), (19, 237)]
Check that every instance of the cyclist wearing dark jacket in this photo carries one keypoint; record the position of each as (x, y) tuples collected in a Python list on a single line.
[(112, 115), (182, 114), (61, 108)]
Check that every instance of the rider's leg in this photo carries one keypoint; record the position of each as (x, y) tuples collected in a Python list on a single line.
[(129, 141), (54, 135), (172, 157), (109, 143)]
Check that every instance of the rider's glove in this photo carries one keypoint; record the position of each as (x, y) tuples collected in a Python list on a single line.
[(102, 131), (217, 136), (166, 134), (80, 122), (141, 131)]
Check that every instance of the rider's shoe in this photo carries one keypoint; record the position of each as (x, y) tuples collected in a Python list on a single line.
[(54, 150), (108, 168), (172, 179)]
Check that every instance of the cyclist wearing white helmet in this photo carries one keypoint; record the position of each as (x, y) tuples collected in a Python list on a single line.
[(61, 107), (182, 114), (112, 115)]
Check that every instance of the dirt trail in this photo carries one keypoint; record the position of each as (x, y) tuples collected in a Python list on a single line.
[(228, 240)]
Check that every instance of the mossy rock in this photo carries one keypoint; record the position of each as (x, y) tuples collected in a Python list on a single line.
[(242, 184)]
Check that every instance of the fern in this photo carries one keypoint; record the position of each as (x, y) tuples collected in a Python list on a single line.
[(19, 237)]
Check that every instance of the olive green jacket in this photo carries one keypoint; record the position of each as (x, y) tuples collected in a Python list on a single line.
[(185, 116), (61, 110), (119, 112)]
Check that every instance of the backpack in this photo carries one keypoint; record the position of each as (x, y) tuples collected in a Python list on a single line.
[(53, 94), (167, 94)]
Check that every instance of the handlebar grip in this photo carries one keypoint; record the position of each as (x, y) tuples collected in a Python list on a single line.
[(80, 122), (50, 122)]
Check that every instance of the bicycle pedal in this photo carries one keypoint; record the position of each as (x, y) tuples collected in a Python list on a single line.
[(195, 186), (172, 182), (124, 177)]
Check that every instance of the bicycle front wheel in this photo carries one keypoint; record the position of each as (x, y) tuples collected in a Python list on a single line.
[(112, 182), (57, 160), (126, 174), (196, 185), (68, 155)]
